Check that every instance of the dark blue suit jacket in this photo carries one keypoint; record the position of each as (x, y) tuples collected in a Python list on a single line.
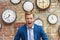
[(38, 33)]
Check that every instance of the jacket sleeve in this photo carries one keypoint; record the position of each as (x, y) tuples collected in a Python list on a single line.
[(43, 34), (18, 35)]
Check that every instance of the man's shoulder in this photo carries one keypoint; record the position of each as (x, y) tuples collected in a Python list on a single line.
[(38, 26), (22, 27)]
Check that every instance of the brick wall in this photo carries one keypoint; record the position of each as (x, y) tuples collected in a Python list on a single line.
[(7, 32)]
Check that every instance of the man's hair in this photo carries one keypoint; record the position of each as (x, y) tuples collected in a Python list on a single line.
[(28, 13)]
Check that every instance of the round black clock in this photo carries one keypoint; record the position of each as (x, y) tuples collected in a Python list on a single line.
[(43, 4), (28, 6), (9, 16), (52, 19), (38, 21), (15, 1)]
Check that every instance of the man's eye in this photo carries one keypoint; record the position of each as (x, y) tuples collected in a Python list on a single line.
[(27, 18), (30, 18)]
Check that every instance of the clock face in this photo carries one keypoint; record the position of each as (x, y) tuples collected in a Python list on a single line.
[(38, 22), (52, 19), (9, 16), (28, 6), (43, 4), (15, 1)]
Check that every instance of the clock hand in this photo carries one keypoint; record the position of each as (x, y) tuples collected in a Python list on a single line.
[(8, 16), (52, 18)]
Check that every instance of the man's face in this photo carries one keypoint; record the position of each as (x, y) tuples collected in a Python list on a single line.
[(29, 19)]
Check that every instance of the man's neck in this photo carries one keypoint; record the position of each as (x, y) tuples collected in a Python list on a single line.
[(30, 26)]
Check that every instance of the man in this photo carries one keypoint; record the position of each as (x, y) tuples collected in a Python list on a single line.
[(30, 31)]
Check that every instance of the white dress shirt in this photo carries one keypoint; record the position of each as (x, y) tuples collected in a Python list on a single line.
[(32, 32)]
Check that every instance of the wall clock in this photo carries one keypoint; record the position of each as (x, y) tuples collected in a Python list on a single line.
[(15, 1), (9, 16), (52, 19), (28, 6), (38, 21), (43, 4)]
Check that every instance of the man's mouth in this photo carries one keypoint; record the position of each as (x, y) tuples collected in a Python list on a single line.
[(29, 23)]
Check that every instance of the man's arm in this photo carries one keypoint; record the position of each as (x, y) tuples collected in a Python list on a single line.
[(18, 35), (43, 34)]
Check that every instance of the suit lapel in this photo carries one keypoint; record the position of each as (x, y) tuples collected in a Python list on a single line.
[(26, 35), (25, 32), (34, 33)]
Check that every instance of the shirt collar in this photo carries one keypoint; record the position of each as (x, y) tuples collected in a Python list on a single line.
[(32, 26)]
